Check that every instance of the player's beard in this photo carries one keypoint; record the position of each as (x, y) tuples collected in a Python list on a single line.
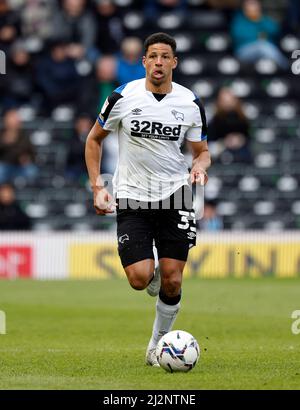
[(157, 82)]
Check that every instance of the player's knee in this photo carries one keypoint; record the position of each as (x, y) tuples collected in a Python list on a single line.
[(137, 285), (137, 281), (172, 284)]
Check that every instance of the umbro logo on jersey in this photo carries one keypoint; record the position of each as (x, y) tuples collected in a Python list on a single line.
[(178, 115), (137, 111)]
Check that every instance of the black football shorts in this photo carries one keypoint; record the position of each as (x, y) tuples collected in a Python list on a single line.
[(169, 223)]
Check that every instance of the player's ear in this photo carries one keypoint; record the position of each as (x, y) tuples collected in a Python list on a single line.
[(175, 62), (144, 60)]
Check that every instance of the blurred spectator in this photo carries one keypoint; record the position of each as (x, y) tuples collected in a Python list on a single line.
[(292, 17), (16, 150), (75, 158), (210, 221), (153, 8), (254, 35), (130, 65), (227, 6), (106, 78), (98, 86), (57, 77), (17, 85), (9, 25), (76, 25), (37, 17), (224, 4), (110, 29), (12, 217), (230, 128)]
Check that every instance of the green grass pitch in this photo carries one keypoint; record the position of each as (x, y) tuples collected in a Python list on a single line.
[(93, 335)]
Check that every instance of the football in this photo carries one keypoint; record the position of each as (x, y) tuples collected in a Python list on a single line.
[(177, 351)]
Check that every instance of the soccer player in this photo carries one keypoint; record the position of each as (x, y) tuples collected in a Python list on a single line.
[(153, 197)]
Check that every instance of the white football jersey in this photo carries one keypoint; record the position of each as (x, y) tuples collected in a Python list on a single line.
[(151, 166)]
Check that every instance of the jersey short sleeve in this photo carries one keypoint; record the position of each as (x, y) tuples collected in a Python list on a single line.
[(198, 131), (110, 114)]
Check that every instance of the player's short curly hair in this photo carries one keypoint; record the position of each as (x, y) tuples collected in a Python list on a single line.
[(160, 38)]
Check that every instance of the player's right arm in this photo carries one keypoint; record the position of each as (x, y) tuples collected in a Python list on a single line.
[(93, 152), (108, 120)]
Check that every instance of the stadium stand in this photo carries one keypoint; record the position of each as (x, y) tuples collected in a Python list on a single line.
[(259, 195)]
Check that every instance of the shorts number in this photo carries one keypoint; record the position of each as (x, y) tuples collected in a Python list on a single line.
[(185, 220)]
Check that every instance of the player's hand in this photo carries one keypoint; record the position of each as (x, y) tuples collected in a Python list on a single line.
[(103, 201), (198, 175)]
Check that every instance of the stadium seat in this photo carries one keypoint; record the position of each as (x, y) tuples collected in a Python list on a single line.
[(241, 87), (285, 111), (58, 181), (213, 187), (36, 210), (265, 135), (265, 67), (84, 67), (191, 66), (295, 208), (228, 65), (75, 210), (277, 88), (264, 208), (217, 42), (287, 183), (226, 208), (20, 182), (204, 88), (289, 43), (63, 114), (169, 21), (274, 226), (27, 113), (41, 137), (184, 42), (133, 20), (82, 227), (238, 225), (252, 110), (249, 183), (212, 19), (42, 227), (265, 160)]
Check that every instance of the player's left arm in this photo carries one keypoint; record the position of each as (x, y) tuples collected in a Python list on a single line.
[(201, 161)]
